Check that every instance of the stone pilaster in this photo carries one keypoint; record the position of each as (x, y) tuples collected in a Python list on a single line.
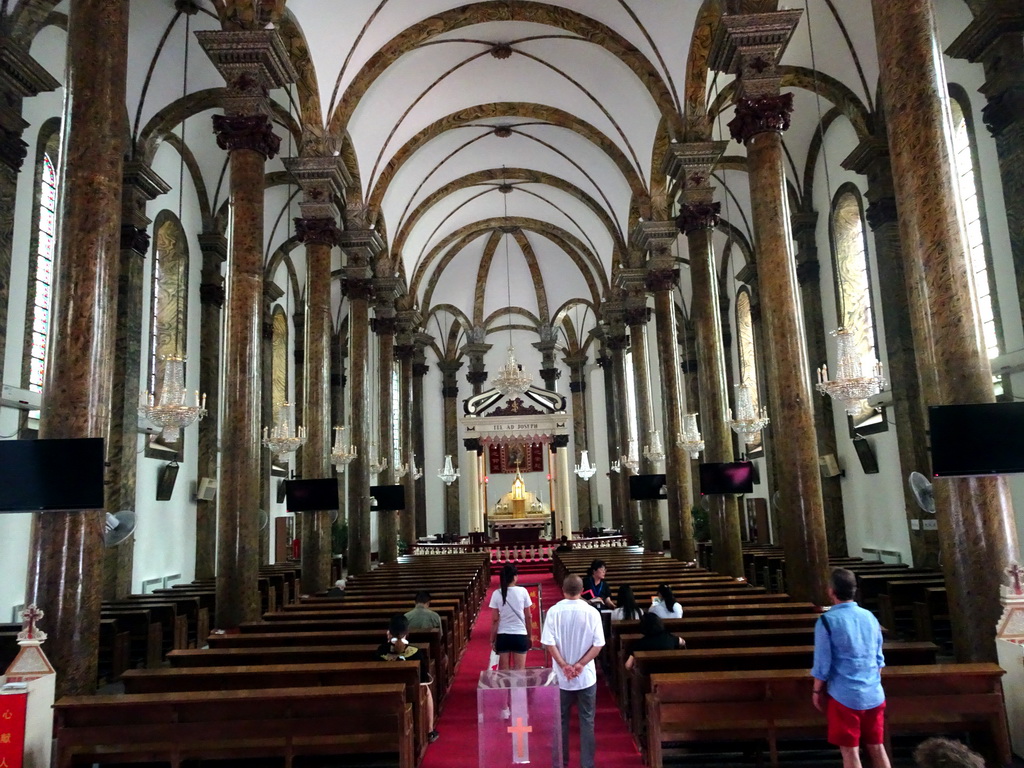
[(66, 558), (550, 373), (474, 350), (361, 246), (214, 247), (405, 351), (140, 186), (252, 63), (578, 387), (419, 370), (272, 292), (750, 46), (871, 157), (616, 342), (450, 396), (687, 341), (385, 327), (975, 515)]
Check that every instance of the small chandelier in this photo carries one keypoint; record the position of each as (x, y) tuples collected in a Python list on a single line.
[(171, 412), (511, 378), (416, 472), (281, 438), (400, 470), (690, 440), (748, 422), (376, 467), (656, 450), (343, 452), (615, 466), (631, 461), (850, 387), (449, 474), (585, 470)]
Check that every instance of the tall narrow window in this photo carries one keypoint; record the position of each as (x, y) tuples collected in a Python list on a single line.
[(396, 417), (279, 363), (47, 237), (748, 364), (630, 406), (853, 288)]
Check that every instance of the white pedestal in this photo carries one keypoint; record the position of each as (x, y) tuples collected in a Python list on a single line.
[(1011, 658), (519, 719)]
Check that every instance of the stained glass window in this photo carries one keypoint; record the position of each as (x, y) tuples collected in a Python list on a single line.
[(43, 274), (748, 364)]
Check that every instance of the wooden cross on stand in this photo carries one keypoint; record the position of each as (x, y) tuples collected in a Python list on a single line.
[(30, 617), (1016, 572)]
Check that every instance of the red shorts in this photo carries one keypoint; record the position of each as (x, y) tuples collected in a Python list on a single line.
[(846, 727)]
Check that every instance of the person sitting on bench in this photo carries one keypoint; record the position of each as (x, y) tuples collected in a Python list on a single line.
[(397, 648), (656, 638), (421, 617)]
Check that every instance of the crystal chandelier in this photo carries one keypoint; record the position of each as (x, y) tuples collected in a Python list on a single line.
[(171, 412), (416, 472), (656, 450), (851, 387), (282, 438), (449, 474), (511, 378), (343, 452), (690, 440), (376, 467), (631, 461), (615, 466), (400, 470), (748, 422), (585, 470)]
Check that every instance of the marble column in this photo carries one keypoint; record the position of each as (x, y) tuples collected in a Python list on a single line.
[(804, 225), (474, 350), (298, 337), (66, 558), (419, 370), (550, 373), (272, 292), (408, 320), (975, 515), (612, 434), (563, 483), (691, 387), (471, 471), (750, 46), (618, 341), (871, 157), (21, 77), (214, 247), (658, 239), (450, 397), (637, 315), (385, 326), (578, 388), (323, 180), (361, 247), (140, 186), (995, 39)]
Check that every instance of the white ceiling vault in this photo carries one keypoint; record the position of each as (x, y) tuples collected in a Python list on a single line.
[(505, 149)]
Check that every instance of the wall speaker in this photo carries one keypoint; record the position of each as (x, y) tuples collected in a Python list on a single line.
[(207, 489), (829, 465)]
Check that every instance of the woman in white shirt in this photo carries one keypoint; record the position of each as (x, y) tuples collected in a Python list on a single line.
[(512, 624), (668, 608), (628, 609)]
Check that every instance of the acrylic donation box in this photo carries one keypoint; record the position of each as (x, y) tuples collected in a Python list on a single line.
[(519, 718)]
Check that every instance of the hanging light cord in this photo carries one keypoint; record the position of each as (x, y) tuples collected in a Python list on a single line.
[(506, 190), (181, 188)]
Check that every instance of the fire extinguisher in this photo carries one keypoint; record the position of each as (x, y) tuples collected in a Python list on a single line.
[(296, 549)]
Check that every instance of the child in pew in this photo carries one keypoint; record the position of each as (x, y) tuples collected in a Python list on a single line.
[(628, 609), (397, 648), (656, 638), (946, 753)]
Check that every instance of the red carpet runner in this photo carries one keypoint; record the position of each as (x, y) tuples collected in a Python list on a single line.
[(457, 747)]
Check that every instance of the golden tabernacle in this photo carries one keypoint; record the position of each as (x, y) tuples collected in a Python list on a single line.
[(519, 514)]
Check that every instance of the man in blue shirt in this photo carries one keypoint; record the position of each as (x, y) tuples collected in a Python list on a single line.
[(847, 674)]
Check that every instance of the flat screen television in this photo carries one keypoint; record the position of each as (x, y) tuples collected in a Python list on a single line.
[(727, 477), (51, 475), (647, 487), (978, 439), (388, 498), (311, 495)]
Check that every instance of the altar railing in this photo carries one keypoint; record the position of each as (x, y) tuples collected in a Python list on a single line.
[(523, 552)]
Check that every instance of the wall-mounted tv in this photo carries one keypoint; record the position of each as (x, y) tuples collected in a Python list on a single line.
[(51, 475), (388, 498), (647, 487), (316, 495), (978, 439), (727, 477)]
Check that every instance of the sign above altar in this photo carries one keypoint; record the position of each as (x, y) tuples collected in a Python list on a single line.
[(536, 428)]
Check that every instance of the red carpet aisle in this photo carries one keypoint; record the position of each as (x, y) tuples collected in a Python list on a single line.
[(457, 747)]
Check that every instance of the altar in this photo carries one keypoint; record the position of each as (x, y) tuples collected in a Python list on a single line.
[(519, 515)]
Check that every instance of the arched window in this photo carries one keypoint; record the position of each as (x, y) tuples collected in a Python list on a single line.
[(966, 167), (853, 287), (168, 311), (748, 362)]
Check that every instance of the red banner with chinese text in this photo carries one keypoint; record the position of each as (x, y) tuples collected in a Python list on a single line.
[(535, 614), (503, 458), (12, 729)]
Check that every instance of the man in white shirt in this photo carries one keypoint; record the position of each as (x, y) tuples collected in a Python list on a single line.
[(573, 635)]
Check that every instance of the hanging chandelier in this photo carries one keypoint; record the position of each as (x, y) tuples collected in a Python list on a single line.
[(850, 387), (631, 460), (656, 450), (282, 438), (615, 466), (449, 474), (511, 378), (585, 470), (343, 452), (690, 440), (375, 466), (415, 471), (171, 412), (748, 422)]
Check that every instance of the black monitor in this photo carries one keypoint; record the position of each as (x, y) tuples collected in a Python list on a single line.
[(727, 477), (388, 498), (979, 439), (647, 487), (51, 475), (866, 454), (316, 495)]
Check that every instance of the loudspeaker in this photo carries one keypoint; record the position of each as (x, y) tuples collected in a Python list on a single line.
[(829, 465), (282, 491), (165, 485), (207, 489)]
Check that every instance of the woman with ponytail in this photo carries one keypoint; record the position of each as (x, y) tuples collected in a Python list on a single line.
[(668, 608), (512, 624)]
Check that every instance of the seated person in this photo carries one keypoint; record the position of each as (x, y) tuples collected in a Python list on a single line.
[(655, 638), (628, 609), (564, 546), (595, 589), (397, 648), (338, 590), (666, 607), (421, 617)]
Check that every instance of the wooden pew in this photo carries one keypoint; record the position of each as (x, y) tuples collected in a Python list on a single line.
[(283, 723)]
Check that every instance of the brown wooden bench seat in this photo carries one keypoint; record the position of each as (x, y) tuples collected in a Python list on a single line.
[(280, 723)]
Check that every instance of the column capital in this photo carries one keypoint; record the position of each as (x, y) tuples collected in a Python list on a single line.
[(881, 212), (748, 274), (696, 216), (638, 315), (803, 224), (319, 231), (21, 77), (551, 373), (661, 278), (252, 132), (691, 163), (252, 63), (808, 272), (655, 238), (214, 246), (384, 325), (134, 238), (323, 181), (473, 444), (1004, 109), (476, 377), (761, 115), (750, 46), (212, 294), (361, 247), (998, 18), (271, 292)]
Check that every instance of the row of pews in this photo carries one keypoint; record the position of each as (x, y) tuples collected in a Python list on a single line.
[(305, 683), (743, 679)]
